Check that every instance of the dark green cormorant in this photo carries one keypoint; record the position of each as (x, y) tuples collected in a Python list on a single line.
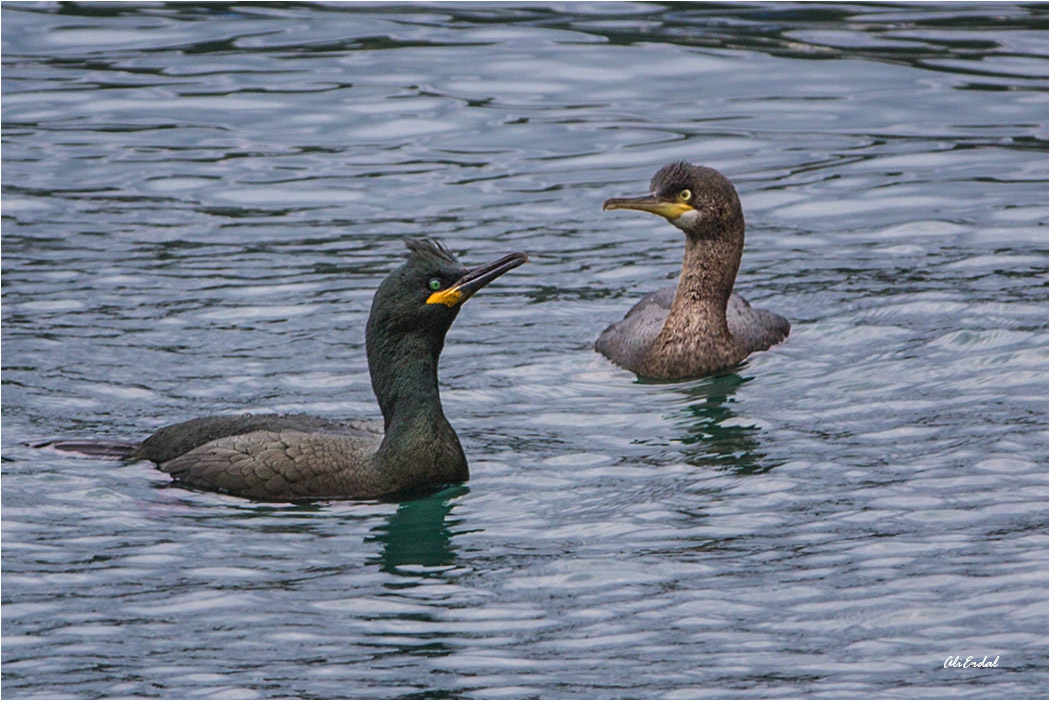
[(284, 457), (700, 326)]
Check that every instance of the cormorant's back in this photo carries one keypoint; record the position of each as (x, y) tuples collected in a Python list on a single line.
[(628, 340)]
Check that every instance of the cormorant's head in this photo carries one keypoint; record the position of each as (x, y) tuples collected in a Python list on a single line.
[(427, 290), (699, 201)]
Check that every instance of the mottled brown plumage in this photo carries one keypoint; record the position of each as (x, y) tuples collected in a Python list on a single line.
[(700, 326)]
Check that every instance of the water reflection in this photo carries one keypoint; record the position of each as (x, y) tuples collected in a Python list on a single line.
[(713, 433), (418, 533)]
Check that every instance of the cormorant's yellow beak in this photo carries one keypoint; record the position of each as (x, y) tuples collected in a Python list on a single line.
[(473, 280), (649, 203)]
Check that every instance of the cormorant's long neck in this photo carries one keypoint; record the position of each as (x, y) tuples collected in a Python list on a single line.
[(419, 445), (695, 338), (404, 377), (705, 284)]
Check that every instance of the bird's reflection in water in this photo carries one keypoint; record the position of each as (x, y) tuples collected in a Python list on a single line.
[(418, 533), (714, 436)]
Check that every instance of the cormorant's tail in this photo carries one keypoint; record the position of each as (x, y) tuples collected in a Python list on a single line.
[(102, 449)]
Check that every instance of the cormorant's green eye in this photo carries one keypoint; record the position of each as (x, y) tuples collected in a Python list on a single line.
[(685, 196), (435, 284)]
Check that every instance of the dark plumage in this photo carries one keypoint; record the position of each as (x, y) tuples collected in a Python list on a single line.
[(700, 326), (275, 457)]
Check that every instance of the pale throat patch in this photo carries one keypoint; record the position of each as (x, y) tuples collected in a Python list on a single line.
[(688, 220)]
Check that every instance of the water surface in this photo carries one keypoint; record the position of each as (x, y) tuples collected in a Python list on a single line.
[(199, 201)]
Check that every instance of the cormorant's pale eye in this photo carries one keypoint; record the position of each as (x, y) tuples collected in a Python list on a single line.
[(685, 196), (435, 284)]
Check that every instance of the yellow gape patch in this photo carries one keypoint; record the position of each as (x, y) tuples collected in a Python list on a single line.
[(450, 297)]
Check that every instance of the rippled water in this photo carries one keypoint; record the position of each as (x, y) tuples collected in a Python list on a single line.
[(198, 202)]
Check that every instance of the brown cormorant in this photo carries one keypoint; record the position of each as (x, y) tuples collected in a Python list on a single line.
[(700, 326)]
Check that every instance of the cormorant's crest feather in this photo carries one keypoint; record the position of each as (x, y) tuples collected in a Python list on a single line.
[(679, 170), (429, 249), (681, 174)]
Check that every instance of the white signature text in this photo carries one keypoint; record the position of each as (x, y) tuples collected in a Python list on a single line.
[(970, 662)]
